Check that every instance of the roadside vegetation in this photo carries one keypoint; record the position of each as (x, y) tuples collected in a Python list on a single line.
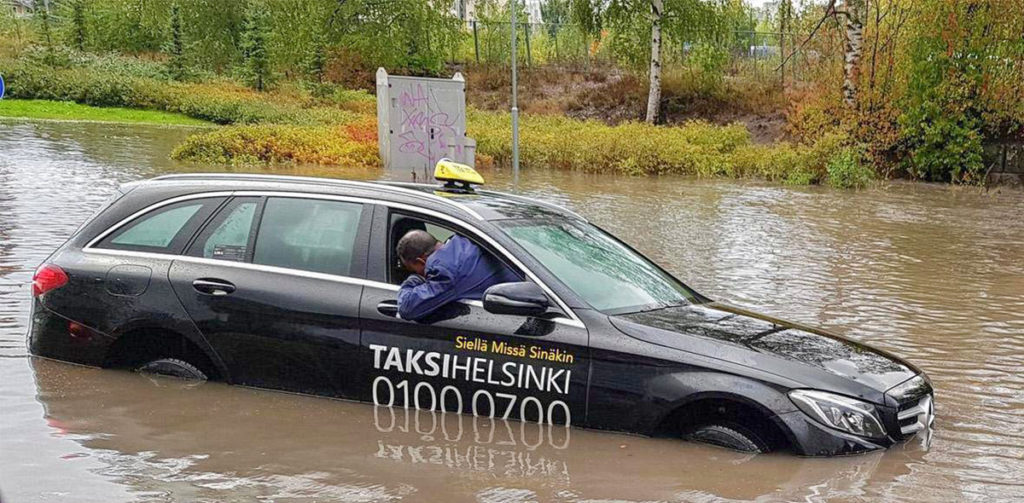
[(66, 110), (741, 93)]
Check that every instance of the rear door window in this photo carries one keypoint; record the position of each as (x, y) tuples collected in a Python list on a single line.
[(310, 235), (163, 230), (229, 235)]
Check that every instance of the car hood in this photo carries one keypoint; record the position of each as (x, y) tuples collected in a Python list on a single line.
[(805, 355)]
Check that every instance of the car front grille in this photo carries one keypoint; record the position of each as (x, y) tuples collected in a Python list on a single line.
[(916, 416)]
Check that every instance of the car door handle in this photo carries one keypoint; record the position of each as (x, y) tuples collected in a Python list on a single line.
[(213, 286), (388, 307)]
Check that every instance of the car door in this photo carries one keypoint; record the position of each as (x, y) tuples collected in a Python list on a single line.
[(274, 284), (464, 358)]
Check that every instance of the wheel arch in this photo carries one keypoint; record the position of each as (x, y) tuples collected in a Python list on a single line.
[(139, 344), (718, 407), (726, 397)]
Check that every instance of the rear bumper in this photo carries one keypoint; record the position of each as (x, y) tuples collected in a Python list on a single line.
[(50, 335)]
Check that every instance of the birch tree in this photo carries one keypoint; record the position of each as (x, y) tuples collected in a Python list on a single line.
[(654, 93), (852, 12)]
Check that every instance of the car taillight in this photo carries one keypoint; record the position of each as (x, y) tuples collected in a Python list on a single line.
[(48, 277)]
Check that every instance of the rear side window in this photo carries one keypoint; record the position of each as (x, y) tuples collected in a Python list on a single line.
[(163, 230), (228, 235), (308, 234)]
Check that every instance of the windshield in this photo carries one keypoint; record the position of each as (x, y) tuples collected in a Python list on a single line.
[(597, 267)]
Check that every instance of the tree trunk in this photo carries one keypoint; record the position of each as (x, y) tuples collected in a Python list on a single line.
[(654, 95), (853, 12)]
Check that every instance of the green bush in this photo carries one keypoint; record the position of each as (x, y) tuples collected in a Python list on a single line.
[(221, 102), (942, 146), (846, 169)]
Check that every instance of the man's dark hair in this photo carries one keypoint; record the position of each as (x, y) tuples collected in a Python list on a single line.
[(415, 244)]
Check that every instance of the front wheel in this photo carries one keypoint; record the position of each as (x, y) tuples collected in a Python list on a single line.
[(173, 367), (730, 436)]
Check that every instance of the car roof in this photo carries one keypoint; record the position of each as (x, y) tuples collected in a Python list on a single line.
[(479, 205)]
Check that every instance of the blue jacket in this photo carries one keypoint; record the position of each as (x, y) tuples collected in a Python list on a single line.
[(458, 270)]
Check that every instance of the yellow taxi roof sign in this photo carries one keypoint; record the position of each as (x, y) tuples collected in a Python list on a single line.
[(451, 171)]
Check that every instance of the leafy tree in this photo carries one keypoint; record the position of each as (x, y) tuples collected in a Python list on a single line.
[(78, 32), (316, 61), (587, 15), (42, 15), (129, 25), (555, 13), (176, 64), (953, 56), (255, 56)]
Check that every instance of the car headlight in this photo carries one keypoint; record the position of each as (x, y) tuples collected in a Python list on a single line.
[(840, 412)]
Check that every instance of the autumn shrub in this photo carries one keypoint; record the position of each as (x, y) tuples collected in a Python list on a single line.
[(273, 143), (695, 148), (789, 163), (783, 162)]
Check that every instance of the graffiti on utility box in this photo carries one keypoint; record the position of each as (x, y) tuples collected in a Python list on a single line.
[(421, 120)]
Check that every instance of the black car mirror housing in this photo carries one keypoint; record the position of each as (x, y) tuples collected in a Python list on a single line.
[(522, 299)]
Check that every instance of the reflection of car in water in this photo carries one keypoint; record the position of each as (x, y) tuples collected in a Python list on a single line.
[(206, 443), (242, 278)]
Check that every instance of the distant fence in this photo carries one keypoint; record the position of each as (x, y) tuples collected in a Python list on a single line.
[(759, 53)]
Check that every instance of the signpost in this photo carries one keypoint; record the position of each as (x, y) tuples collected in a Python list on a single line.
[(515, 107), (2, 87)]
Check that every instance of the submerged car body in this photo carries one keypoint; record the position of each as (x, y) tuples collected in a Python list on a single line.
[(289, 283)]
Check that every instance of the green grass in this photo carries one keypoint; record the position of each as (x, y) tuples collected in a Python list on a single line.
[(66, 110)]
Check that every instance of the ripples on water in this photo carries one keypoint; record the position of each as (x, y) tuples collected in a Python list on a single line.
[(932, 273)]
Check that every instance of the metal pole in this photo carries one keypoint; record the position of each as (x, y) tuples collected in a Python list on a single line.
[(515, 107)]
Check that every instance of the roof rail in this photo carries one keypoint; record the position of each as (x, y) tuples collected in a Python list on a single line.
[(322, 181)]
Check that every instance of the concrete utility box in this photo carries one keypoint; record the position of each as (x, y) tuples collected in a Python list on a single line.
[(421, 120)]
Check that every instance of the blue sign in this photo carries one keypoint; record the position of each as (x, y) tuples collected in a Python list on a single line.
[(2, 88)]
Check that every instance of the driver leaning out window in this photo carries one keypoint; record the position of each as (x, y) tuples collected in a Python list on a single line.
[(444, 272)]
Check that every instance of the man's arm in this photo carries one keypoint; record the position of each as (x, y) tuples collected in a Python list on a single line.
[(419, 297)]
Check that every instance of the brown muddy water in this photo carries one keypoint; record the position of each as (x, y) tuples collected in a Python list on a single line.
[(932, 273)]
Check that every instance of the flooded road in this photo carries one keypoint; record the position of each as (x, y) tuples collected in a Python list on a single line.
[(932, 273)]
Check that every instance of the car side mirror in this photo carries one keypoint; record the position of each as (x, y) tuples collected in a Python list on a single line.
[(522, 299)]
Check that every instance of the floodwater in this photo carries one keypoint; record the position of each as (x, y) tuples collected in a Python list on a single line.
[(933, 273)]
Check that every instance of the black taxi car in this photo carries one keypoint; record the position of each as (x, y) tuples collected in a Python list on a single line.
[(289, 283)]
